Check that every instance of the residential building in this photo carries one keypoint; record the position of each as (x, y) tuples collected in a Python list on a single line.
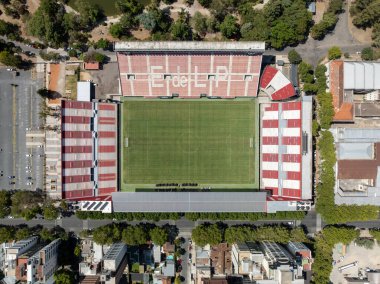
[(358, 166), (14, 251), (92, 255), (271, 263), (355, 89), (114, 264), (220, 257), (43, 264), (247, 259)]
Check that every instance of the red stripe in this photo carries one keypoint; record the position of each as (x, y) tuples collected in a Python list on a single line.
[(269, 174), (76, 149), (291, 140), (272, 107), (106, 190), (294, 123), (270, 123), (78, 193), (294, 175), (291, 158), (105, 177), (76, 104), (107, 149), (106, 107), (269, 157), (107, 163), (291, 192), (291, 106), (270, 140), (76, 179), (106, 134), (76, 164), (76, 119), (76, 134)]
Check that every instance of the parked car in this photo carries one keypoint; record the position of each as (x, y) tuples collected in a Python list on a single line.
[(11, 182), (11, 177)]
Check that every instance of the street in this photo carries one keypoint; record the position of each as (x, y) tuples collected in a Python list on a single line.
[(19, 114)]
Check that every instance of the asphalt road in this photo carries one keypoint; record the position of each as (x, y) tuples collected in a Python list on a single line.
[(185, 272), (19, 113)]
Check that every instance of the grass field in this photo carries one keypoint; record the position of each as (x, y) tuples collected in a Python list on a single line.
[(207, 142)]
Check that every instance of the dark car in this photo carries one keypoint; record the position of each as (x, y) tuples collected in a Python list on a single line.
[(11, 177), (11, 182)]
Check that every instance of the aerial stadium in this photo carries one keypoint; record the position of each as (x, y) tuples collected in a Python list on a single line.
[(205, 127)]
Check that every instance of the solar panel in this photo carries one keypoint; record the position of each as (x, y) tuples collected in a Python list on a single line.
[(97, 206), (103, 206)]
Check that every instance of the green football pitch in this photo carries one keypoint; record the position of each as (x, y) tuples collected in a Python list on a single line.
[(208, 142)]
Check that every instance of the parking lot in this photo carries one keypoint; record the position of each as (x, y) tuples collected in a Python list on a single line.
[(20, 167), (366, 258)]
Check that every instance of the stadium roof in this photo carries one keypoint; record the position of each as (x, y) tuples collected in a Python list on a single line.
[(179, 46), (189, 201), (361, 75), (276, 85)]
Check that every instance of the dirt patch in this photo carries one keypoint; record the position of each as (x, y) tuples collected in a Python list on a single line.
[(176, 8), (141, 34), (102, 32), (320, 9), (33, 5), (364, 36)]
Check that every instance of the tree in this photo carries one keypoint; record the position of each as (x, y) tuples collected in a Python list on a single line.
[(10, 30), (47, 23), (326, 109), (103, 44), (229, 27), (365, 242), (89, 13), (5, 203), (367, 54), (177, 280), (131, 7), (205, 3), (64, 276), (207, 234), (6, 234), (77, 251), (135, 235), (46, 234), (158, 235), (294, 57), (199, 23), (181, 29), (22, 233), (50, 212), (94, 57), (10, 59), (107, 234), (334, 53)]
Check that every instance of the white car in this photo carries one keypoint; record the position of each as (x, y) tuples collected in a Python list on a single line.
[(28, 155), (11, 69), (29, 183)]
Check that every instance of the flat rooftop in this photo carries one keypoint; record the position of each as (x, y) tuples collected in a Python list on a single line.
[(189, 201), (254, 46)]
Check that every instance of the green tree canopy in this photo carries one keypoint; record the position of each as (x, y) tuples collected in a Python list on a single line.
[(89, 12), (181, 29), (294, 57), (158, 236), (207, 234), (229, 27), (22, 233), (47, 23), (6, 234), (10, 59), (50, 212), (135, 235), (64, 276), (106, 234), (334, 53), (199, 23), (368, 54), (5, 203), (131, 7)]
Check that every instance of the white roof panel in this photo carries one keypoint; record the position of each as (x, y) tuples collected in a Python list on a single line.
[(269, 149), (269, 132), (270, 166), (291, 114)]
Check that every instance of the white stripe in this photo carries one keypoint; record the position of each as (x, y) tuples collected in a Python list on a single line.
[(291, 167), (270, 182), (269, 149), (269, 132), (291, 114), (270, 166), (293, 149), (293, 184), (291, 132), (270, 115)]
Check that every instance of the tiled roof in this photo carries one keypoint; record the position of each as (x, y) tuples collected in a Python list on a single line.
[(276, 85)]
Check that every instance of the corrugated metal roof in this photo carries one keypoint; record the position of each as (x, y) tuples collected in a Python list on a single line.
[(189, 201), (361, 75)]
